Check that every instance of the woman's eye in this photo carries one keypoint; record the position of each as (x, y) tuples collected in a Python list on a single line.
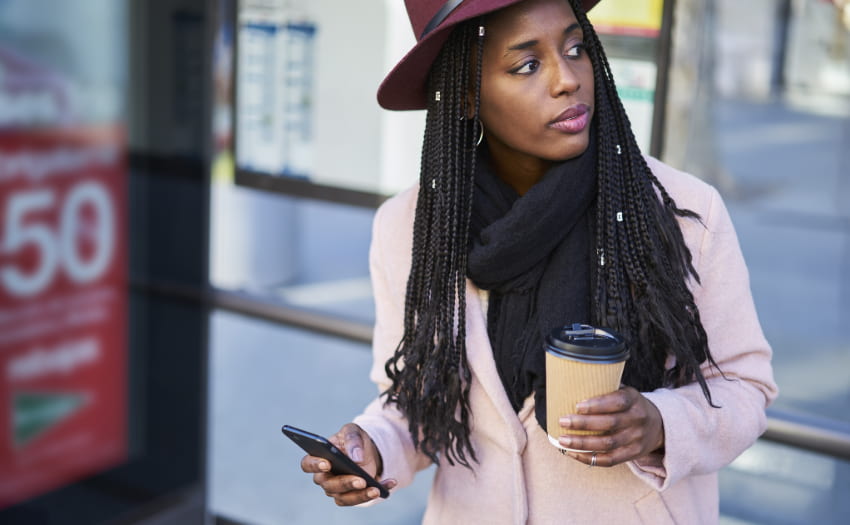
[(527, 68), (575, 51)]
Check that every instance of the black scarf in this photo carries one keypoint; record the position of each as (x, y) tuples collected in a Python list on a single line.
[(533, 253)]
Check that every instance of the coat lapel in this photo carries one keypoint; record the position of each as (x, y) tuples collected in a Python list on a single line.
[(480, 356)]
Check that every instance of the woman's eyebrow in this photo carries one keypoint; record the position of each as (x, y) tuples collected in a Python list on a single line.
[(532, 43), (522, 45)]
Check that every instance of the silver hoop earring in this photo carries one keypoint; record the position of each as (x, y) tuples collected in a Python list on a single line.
[(481, 135)]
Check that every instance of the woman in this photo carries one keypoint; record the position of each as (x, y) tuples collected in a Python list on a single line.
[(535, 209)]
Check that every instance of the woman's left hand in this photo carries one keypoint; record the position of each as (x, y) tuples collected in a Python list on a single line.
[(631, 428)]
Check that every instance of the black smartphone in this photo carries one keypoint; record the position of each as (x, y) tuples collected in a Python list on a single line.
[(318, 446)]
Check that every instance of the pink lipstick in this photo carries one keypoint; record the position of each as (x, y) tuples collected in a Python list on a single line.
[(573, 120)]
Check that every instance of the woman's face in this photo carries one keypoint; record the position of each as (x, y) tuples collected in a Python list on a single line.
[(536, 84)]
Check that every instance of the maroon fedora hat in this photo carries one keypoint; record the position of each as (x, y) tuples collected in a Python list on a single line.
[(432, 21)]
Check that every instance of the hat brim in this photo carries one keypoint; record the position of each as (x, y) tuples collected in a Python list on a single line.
[(404, 88)]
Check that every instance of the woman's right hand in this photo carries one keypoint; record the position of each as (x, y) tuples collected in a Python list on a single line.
[(347, 490)]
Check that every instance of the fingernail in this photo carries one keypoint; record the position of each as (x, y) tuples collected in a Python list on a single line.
[(565, 422), (565, 441), (357, 454), (324, 466), (373, 493), (359, 483), (582, 406)]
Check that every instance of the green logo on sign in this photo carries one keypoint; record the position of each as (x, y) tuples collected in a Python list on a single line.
[(34, 413)]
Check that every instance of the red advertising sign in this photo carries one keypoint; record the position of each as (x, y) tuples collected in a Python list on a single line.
[(63, 307)]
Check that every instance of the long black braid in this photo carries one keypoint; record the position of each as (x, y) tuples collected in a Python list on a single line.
[(643, 264), (429, 370)]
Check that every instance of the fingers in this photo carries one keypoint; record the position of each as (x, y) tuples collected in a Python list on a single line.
[(357, 444), (597, 423), (352, 442), (610, 413), (349, 490), (625, 426), (312, 464), (346, 490), (595, 459), (625, 439), (618, 401)]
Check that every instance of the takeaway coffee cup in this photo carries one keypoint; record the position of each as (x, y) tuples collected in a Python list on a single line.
[(581, 362)]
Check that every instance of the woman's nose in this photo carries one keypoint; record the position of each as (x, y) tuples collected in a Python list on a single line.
[(564, 79)]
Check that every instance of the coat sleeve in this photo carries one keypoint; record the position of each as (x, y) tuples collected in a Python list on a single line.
[(389, 257), (700, 439)]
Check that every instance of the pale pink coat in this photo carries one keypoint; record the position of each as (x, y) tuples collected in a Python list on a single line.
[(521, 478)]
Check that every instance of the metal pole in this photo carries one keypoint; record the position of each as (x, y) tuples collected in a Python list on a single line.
[(659, 112)]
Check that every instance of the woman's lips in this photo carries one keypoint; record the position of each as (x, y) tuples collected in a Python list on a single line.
[(573, 120)]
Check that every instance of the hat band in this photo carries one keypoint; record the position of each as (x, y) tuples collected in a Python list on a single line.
[(441, 15)]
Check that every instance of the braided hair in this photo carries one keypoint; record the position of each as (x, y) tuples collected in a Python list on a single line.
[(641, 282)]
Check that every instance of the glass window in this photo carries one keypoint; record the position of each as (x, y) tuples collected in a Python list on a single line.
[(783, 141), (305, 96), (777, 145)]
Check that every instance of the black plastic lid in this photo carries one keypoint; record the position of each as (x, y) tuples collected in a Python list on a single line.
[(586, 343)]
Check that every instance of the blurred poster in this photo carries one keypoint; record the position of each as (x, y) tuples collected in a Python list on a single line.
[(63, 288), (630, 32), (636, 81), (274, 80), (627, 17)]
